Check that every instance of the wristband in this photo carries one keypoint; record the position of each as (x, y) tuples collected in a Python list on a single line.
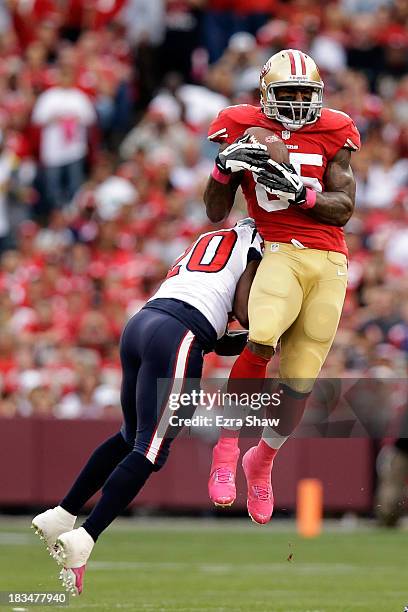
[(310, 199), (220, 177)]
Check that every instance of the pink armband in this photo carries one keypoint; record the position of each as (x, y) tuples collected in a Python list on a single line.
[(220, 177), (310, 199)]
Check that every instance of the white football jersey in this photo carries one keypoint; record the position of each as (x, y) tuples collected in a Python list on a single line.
[(206, 274)]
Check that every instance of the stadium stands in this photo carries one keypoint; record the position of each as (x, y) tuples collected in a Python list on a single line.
[(95, 206)]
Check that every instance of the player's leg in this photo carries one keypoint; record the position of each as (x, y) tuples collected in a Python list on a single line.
[(107, 456), (171, 352), (221, 482), (155, 436), (274, 303), (55, 521), (170, 356), (304, 347), (276, 294), (51, 523)]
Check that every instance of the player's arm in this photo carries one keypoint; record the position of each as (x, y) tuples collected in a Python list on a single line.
[(223, 183), (240, 305), (334, 206), (219, 197)]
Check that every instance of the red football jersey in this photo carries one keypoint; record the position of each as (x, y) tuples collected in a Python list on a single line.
[(310, 149)]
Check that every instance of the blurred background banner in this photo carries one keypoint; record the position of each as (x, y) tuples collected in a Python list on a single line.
[(42, 474), (104, 111)]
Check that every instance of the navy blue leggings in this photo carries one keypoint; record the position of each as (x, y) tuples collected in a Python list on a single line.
[(158, 355)]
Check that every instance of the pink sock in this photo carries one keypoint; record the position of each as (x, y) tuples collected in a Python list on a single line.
[(263, 456), (228, 440)]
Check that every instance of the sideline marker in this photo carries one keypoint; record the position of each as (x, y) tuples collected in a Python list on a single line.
[(309, 507)]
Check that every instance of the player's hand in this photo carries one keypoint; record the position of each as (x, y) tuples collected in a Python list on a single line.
[(282, 180), (242, 155)]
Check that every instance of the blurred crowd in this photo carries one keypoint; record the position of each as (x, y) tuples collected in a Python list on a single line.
[(104, 110)]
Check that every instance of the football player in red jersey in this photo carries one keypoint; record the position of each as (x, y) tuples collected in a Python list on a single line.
[(300, 209)]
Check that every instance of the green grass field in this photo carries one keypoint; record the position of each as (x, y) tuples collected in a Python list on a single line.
[(203, 565)]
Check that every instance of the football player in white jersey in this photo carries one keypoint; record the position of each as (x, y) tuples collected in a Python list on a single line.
[(167, 339)]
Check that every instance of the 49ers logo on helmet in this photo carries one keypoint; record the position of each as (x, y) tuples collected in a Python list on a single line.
[(265, 69)]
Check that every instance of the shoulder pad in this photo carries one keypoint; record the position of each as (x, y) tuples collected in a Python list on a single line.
[(340, 129), (332, 119), (232, 121)]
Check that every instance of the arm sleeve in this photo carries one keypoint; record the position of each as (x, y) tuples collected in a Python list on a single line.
[(345, 137), (352, 137), (228, 125), (218, 130)]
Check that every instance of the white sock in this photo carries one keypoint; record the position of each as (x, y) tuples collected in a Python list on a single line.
[(64, 514), (272, 438)]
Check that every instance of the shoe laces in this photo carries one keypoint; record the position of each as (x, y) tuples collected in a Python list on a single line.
[(263, 493), (223, 475)]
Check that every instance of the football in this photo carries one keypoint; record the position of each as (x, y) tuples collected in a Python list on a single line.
[(276, 147)]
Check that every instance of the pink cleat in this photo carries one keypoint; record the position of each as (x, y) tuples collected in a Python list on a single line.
[(73, 579), (258, 476), (72, 550), (221, 484)]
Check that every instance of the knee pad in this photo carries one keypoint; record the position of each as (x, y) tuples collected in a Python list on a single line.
[(264, 328), (299, 374), (141, 448), (321, 320)]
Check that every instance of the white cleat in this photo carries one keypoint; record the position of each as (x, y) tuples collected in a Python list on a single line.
[(72, 550), (52, 523)]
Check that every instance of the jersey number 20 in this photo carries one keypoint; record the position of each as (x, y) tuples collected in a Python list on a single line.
[(209, 254)]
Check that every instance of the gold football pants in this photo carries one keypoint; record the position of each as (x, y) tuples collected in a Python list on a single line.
[(297, 297)]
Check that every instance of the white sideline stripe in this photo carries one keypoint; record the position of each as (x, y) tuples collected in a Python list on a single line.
[(300, 568), (177, 386), (109, 606), (16, 539), (298, 63)]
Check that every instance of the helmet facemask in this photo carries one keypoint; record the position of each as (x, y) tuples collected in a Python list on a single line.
[(293, 114)]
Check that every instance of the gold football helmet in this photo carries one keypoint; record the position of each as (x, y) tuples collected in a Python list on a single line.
[(291, 68)]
